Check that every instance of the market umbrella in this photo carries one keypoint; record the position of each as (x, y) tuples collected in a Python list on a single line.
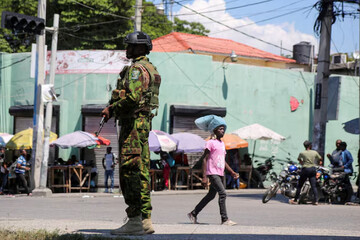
[(159, 140), (100, 141), (24, 139), (189, 142), (4, 138), (78, 139), (257, 132), (233, 141)]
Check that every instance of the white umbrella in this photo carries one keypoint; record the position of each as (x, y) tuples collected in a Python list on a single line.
[(78, 139), (4, 138), (256, 131)]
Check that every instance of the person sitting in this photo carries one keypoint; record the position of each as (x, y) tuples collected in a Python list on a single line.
[(4, 171), (347, 161), (167, 162), (335, 156), (233, 161), (73, 161)]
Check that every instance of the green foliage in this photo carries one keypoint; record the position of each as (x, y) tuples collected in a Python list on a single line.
[(95, 24), (190, 27)]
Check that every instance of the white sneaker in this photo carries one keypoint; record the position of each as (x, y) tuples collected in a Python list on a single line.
[(229, 223), (111, 190)]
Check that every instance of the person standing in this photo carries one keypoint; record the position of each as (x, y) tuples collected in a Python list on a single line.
[(308, 159), (213, 167), (4, 170), (109, 163), (335, 157), (132, 103), (347, 161), (20, 169)]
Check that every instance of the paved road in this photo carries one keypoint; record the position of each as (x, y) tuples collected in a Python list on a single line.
[(97, 213)]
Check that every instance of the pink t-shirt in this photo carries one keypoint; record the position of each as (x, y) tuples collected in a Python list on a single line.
[(216, 159)]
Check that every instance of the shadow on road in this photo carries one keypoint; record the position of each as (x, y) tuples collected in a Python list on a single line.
[(278, 197)]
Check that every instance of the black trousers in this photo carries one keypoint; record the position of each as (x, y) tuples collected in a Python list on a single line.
[(20, 179), (216, 186), (307, 173), (348, 187)]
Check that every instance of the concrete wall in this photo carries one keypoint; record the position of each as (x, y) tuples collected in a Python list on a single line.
[(250, 94)]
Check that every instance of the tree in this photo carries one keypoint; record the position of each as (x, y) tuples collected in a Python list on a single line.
[(95, 24), (190, 27)]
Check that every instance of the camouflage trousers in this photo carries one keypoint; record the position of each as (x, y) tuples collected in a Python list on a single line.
[(134, 166)]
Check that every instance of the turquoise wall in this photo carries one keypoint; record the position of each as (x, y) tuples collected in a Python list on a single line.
[(250, 94)]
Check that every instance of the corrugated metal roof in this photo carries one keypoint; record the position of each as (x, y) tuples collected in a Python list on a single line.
[(180, 42)]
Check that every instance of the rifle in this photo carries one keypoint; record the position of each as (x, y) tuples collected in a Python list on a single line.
[(102, 122)]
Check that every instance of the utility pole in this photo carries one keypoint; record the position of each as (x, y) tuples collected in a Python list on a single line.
[(49, 107), (321, 82), (37, 150), (138, 10), (171, 11)]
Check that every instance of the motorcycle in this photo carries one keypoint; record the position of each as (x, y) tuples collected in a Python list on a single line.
[(330, 184), (286, 182), (262, 173)]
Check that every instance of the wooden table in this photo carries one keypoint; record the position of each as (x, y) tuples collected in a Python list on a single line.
[(184, 173), (67, 173), (156, 175)]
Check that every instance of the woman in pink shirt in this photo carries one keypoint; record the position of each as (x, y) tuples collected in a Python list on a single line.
[(214, 165)]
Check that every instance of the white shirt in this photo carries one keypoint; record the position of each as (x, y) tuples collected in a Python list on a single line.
[(109, 161)]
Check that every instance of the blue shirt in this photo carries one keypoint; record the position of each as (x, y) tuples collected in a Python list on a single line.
[(347, 161), (22, 161)]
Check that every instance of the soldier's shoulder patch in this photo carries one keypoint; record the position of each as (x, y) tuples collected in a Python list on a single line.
[(135, 73)]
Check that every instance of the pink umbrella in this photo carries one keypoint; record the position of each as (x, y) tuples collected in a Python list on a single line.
[(159, 140), (189, 142)]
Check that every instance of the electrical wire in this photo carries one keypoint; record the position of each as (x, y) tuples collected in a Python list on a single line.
[(259, 13), (90, 24), (225, 9), (236, 30), (94, 40), (14, 63), (107, 13), (267, 19)]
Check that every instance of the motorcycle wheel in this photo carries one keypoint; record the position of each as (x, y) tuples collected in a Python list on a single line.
[(339, 198), (270, 192), (273, 177), (304, 194)]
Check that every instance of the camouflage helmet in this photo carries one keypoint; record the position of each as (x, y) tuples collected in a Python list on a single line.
[(138, 38)]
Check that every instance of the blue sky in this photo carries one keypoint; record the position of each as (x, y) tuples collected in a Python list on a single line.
[(295, 24)]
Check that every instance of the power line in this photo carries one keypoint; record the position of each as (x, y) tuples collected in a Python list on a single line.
[(89, 24), (267, 19), (19, 61), (246, 34), (225, 9), (107, 13), (93, 40)]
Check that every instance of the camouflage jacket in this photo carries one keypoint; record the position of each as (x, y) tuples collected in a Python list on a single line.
[(132, 85)]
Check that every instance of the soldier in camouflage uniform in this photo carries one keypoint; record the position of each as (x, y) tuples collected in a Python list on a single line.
[(132, 103)]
